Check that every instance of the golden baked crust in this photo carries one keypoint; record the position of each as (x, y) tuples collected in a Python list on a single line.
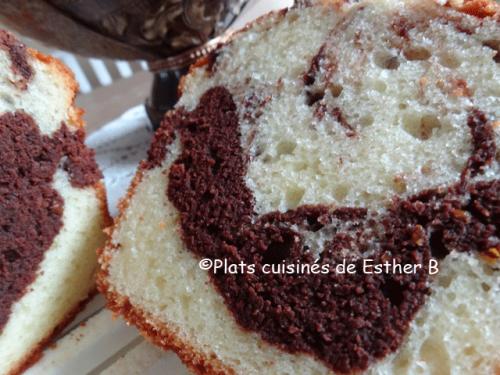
[(478, 8), (37, 352), (162, 335)]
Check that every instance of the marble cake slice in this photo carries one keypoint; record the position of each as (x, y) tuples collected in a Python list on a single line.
[(52, 204), (362, 132)]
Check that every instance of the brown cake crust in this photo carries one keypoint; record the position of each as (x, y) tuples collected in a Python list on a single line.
[(164, 336), (37, 352)]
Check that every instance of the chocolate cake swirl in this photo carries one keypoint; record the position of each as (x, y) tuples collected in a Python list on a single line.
[(345, 320), (30, 208)]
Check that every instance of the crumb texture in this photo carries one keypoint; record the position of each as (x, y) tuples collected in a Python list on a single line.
[(378, 107)]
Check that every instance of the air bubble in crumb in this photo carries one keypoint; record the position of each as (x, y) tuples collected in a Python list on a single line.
[(341, 192), (366, 120), (485, 287), (380, 86), (421, 127), (160, 283), (299, 166), (444, 281), (426, 168), (461, 310), (433, 352), (469, 351), (335, 90), (386, 61), (294, 197), (449, 60), (417, 53), (266, 159), (286, 147), (399, 184)]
